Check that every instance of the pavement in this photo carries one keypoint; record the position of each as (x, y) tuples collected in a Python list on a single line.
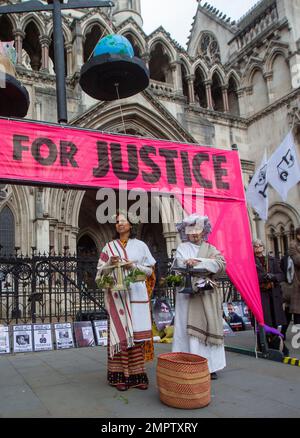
[(72, 384), (247, 340)]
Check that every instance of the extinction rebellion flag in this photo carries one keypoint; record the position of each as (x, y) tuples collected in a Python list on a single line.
[(257, 192), (283, 170)]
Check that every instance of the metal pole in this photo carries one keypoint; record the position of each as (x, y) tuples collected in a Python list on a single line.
[(263, 341), (59, 57)]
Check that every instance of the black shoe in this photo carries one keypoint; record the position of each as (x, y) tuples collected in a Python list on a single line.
[(213, 376)]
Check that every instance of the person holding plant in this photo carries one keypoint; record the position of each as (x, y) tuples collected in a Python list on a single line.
[(198, 317), (128, 309)]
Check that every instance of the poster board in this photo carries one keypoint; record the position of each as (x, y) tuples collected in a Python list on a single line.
[(84, 334), (63, 336), (22, 338), (4, 340), (42, 337), (236, 315), (101, 332), (163, 314)]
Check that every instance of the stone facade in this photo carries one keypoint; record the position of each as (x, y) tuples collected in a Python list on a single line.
[(237, 83)]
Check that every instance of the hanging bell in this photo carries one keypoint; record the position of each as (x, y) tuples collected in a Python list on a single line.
[(14, 98), (114, 72)]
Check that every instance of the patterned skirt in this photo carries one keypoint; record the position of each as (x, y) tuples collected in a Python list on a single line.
[(127, 368)]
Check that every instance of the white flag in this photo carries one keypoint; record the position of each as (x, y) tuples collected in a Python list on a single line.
[(283, 167), (257, 192)]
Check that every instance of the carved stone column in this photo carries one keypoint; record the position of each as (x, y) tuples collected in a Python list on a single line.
[(225, 98), (146, 58), (19, 37), (77, 45), (248, 101), (241, 99), (269, 79), (41, 221), (177, 76), (73, 240), (208, 85), (294, 62), (45, 44), (190, 80), (69, 50)]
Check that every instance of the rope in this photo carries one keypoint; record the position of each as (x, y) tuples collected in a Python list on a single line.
[(294, 120), (104, 30), (118, 95)]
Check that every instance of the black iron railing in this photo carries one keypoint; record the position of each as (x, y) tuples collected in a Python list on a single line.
[(47, 289)]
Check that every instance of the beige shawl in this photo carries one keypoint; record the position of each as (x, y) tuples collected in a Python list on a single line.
[(205, 311)]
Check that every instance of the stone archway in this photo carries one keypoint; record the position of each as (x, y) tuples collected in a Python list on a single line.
[(283, 219), (86, 246), (89, 226)]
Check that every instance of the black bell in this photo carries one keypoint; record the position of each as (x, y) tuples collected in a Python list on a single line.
[(14, 98), (114, 72)]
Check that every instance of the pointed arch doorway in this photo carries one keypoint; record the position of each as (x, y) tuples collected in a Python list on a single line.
[(93, 236)]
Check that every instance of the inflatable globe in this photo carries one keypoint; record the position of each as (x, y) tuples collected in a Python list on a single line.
[(114, 44), (113, 72)]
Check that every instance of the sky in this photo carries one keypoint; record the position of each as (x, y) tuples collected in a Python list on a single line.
[(176, 16)]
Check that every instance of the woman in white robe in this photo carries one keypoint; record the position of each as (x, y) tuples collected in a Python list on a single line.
[(128, 309), (198, 318)]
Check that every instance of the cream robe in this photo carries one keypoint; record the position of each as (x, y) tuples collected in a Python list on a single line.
[(137, 252), (182, 341)]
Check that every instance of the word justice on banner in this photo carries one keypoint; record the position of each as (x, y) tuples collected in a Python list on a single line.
[(55, 155)]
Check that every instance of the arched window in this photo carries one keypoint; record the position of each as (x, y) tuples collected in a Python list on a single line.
[(6, 29), (216, 93), (282, 84), (88, 256), (209, 48), (275, 245), (292, 232), (86, 246), (283, 242), (91, 39), (260, 96), (159, 65), (7, 231), (32, 46), (185, 86), (200, 90), (233, 100), (52, 60), (136, 48)]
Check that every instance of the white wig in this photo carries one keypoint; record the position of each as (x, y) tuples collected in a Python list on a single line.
[(201, 224)]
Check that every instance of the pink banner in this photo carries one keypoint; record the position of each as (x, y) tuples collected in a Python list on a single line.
[(33, 153)]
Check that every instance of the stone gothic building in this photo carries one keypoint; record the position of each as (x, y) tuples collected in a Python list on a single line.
[(236, 85)]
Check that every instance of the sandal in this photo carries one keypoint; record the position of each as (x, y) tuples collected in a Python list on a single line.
[(142, 387), (122, 387)]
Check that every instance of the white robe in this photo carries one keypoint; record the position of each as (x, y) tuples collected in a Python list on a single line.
[(138, 253), (183, 342)]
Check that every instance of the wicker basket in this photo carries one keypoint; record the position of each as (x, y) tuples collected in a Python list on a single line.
[(183, 380)]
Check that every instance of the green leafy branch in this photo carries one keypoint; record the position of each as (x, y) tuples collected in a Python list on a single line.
[(134, 276), (105, 281)]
